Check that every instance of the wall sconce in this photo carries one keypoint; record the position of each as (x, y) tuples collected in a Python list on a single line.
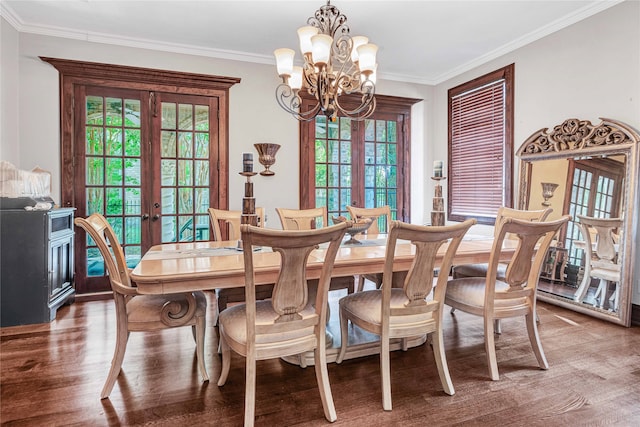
[(547, 192), (267, 156)]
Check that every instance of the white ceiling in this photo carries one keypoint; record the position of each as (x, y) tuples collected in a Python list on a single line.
[(420, 41)]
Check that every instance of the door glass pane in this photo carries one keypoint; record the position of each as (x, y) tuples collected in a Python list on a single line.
[(185, 172), (333, 165), (112, 178)]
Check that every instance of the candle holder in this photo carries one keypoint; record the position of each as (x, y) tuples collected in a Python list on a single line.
[(437, 215), (248, 215), (267, 156)]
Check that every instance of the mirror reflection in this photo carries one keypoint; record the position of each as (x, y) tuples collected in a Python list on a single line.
[(585, 171)]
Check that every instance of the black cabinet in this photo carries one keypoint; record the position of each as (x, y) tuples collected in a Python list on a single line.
[(36, 264)]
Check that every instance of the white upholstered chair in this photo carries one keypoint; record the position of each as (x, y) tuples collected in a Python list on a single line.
[(220, 218), (381, 220), (406, 312), (601, 257), (288, 323), (138, 313), (515, 295)]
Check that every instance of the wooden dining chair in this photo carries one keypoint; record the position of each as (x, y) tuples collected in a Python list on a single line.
[(381, 220), (480, 270), (308, 219), (219, 219), (409, 311), (289, 323), (515, 295), (222, 217), (140, 313), (601, 258), (303, 219)]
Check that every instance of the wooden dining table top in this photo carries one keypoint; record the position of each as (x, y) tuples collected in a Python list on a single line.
[(186, 267)]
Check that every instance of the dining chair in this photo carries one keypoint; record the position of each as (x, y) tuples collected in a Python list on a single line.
[(290, 322), (601, 257), (480, 270), (308, 219), (231, 219), (409, 311), (220, 218), (381, 220), (303, 219), (513, 296), (141, 313)]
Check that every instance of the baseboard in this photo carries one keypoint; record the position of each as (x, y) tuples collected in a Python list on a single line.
[(635, 314)]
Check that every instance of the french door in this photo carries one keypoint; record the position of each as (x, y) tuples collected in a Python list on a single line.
[(148, 162), (358, 163), (595, 191)]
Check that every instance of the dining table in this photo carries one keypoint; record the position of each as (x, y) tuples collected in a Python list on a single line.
[(208, 265)]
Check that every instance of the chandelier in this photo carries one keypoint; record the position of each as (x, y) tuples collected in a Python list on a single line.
[(335, 64)]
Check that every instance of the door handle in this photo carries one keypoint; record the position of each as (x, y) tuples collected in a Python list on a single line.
[(145, 217), (155, 217)]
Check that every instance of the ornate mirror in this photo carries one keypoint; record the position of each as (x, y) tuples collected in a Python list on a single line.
[(591, 173)]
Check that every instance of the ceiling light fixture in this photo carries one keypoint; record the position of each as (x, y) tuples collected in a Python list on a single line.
[(335, 64)]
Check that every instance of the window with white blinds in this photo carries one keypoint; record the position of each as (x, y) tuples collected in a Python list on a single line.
[(481, 147)]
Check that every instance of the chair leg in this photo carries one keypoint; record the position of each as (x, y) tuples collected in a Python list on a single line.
[(497, 325), (322, 376), (122, 336), (360, 283), (250, 391), (601, 293), (615, 296), (534, 338), (490, 348), (344, 335), (199, 328), (441, 361), (226, 361), (385, 372)]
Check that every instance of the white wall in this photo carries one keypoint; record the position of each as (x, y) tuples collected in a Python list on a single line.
[(9, 100), (586, 71)]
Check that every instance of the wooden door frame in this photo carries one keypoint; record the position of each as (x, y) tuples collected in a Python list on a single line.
[(399, 106), (75, 75)]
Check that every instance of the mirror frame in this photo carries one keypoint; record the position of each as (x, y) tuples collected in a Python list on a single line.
[(579, 139)]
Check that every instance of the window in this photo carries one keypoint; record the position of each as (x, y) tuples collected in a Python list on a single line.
[(481, 147), (360, 163)]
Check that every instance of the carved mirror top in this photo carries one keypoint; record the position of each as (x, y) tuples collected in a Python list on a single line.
[(573, 136)]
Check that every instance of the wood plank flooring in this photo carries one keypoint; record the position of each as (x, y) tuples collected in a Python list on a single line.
[(52, 374)]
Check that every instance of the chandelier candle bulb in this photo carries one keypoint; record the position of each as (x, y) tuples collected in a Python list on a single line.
[(357, 41), (284, 61), (304, 35), (321, 45), (247, 162), (367, 57), (295, 81), (437, 168)]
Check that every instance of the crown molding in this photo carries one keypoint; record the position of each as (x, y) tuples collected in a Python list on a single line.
[(14, 20)]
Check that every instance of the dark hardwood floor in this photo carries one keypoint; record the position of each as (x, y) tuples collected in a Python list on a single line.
[(52, 374)]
